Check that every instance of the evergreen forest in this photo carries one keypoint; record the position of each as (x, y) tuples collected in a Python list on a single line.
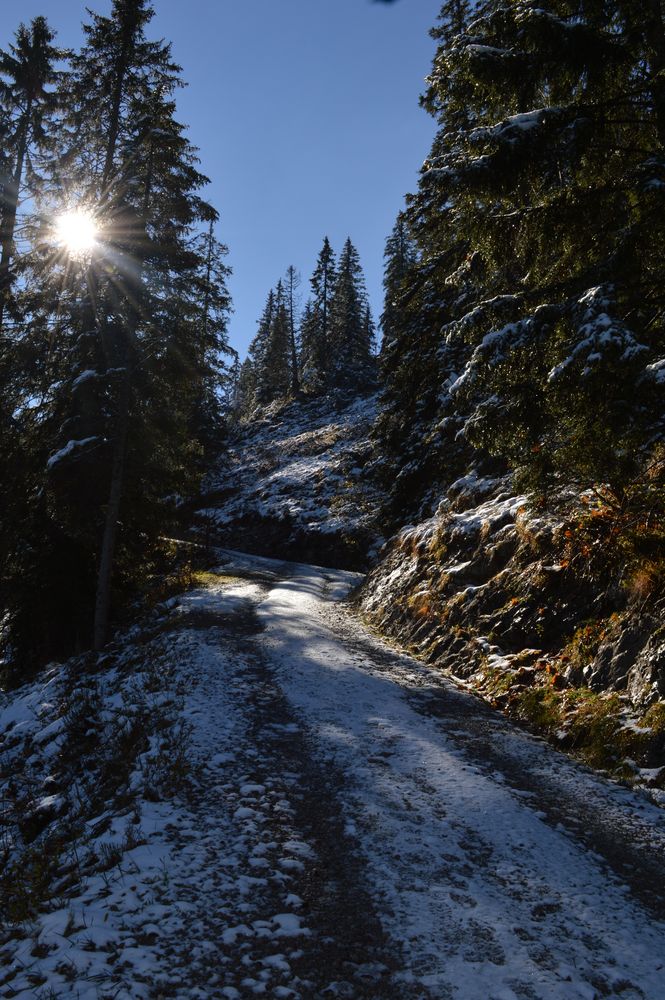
[(333, 666), (521, 332)]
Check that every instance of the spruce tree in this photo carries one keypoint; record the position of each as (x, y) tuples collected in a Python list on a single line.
[(245, 400), (536, 222), (27, 109), (261, 390), (554, 188), (351, 329), (400, 258), (136, 331), (316, 331), (277, 374), (291, 285), (310, 355)]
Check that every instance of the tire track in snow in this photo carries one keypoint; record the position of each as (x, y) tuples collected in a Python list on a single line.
[(265, 883), (490, 897), (624, 827)]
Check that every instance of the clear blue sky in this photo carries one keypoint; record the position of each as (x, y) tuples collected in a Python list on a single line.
[(306, 115)]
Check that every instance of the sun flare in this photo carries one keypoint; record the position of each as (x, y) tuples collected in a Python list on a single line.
[(76, 232)]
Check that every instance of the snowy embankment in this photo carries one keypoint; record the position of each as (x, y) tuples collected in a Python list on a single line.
[(293, 483), (310, 815), (504, 601)]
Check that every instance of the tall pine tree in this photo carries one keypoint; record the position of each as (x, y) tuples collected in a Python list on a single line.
[(135, 332), (27, 113), (315, 356), (351, 339)]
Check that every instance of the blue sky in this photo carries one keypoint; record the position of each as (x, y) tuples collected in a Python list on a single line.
[(306, 115)]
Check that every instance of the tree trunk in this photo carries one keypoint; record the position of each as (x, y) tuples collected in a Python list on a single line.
[(107, 553), (129, 29), (11, 209), (655, 31), (105, 572)]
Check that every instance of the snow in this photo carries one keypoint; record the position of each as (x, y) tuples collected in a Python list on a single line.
[(514, 126), (85, 376), (69, 449), (422, 803), (302, 465), (656, 371), (320, 776)]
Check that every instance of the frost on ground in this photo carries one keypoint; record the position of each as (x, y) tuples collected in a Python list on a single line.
[(293, 481), (270, 802), (510, 603)]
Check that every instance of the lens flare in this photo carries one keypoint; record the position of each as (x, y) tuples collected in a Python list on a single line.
[(76, 232)]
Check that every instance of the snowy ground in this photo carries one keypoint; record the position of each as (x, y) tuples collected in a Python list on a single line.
[(350, 826), (302, 464)]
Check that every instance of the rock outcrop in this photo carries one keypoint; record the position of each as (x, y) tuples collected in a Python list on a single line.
[(485, 590)]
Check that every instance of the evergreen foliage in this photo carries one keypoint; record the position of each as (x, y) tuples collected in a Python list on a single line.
[(291, 285), (331, 345), (277, 378), (117, 361), (315, 332), (351, 338), (27, 117), (530, 326)]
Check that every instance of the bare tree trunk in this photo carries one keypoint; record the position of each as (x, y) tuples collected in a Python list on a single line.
[(107, 554)]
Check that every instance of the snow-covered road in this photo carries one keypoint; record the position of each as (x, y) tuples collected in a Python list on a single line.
[(500, 867), (354, 826)]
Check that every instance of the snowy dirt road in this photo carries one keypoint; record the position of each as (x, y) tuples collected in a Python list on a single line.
[(442, 852), (357, 827)]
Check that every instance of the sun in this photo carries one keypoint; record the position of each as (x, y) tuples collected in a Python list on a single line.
[(76, 232)]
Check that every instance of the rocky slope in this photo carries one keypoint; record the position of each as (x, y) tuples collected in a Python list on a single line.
[(293, 484), (514, 606)]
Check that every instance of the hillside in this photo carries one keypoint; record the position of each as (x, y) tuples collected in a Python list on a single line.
[(293, 483), (251, 793), (505, 599), (332, 648), (515, 605)]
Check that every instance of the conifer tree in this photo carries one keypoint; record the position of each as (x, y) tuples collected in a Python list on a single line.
[(315, 331), (400, 258), (292, 283), (27, 107), (136, 334), (256, 358), (351, 329), (537, 215), (277, 374), (554, 187), (309, 349), (245, 400)]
